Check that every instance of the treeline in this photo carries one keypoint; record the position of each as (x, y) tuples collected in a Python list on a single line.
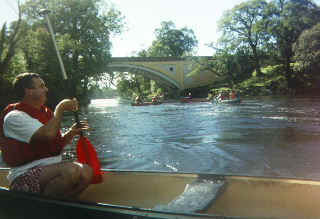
[(270, 47), (266, 47), (83, 29)]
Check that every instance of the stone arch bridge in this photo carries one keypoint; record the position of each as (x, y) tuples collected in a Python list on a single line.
[(175, 72)]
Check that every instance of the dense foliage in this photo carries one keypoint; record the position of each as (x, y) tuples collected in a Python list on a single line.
[(82, 29), (266, 47), (307, 49), (259, 51), (243, 26), (171, 41), (267, 33)]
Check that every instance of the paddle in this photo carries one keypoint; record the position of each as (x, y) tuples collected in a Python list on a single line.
[(85, 150), (87, 154)]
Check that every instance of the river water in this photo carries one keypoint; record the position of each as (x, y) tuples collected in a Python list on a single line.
[(261, 136)]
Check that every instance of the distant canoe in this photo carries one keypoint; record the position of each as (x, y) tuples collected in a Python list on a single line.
[(145, 104), (227, 101), (193, 100)]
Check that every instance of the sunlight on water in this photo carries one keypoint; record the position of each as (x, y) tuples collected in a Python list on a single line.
[(195, 197), (270, 137), (101, 103), (276, 117)]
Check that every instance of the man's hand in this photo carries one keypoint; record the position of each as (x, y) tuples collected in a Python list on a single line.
[(68, 105), (77, 128)]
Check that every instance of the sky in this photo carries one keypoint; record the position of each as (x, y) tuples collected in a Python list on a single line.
[(144, 16)]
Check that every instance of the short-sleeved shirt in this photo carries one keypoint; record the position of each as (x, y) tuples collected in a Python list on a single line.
[(20, 126)]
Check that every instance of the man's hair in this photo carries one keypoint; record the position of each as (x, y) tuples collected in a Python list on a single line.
[(23, 81)]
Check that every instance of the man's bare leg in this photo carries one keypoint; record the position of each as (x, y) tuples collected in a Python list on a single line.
[(65, 179)]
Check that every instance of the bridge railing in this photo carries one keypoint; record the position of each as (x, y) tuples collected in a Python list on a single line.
[(144, 59)]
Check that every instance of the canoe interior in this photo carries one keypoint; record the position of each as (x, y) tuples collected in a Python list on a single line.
[(139, 190), (241, 197)]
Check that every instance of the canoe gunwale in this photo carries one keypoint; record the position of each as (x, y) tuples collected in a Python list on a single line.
[(227, 101), (209, 176), (118, 209), (125, 210), (199, 175)]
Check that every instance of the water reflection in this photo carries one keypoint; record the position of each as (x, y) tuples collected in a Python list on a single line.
[(103, 103)]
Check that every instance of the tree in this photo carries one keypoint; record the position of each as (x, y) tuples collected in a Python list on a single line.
[(287, 20), (307, 54), (230, 65), (130, 85), (11, 61), (307, 48), (8, 43), (243, 26), (171, 41), (82, 32)]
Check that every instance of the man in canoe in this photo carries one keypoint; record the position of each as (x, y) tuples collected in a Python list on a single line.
[(233, 95), (138, 100), (155, 99), (32, 142)]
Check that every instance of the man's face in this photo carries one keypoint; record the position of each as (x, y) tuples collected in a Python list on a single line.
[(39, 90)]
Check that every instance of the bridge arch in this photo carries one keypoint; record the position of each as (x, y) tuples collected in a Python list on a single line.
[(172, 71), (148, 72)]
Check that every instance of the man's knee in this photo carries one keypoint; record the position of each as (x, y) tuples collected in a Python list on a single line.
[(80, 173), (87, 173), (72, 172)]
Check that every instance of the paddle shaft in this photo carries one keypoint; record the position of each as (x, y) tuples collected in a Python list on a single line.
[(63, 71), (88, 154)]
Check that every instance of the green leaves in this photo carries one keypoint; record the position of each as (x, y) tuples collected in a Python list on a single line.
[(171, 41), (243, 26), (307, 54), (82, 29)]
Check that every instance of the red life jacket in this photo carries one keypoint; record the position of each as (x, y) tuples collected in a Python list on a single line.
[(16, 153)]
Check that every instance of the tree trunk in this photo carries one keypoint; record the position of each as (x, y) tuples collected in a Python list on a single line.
[(257, 62)]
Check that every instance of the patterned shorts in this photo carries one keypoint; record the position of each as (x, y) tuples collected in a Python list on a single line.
[(28, 182)]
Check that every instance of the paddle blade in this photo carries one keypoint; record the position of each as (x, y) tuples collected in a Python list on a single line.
[(87, 155)]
